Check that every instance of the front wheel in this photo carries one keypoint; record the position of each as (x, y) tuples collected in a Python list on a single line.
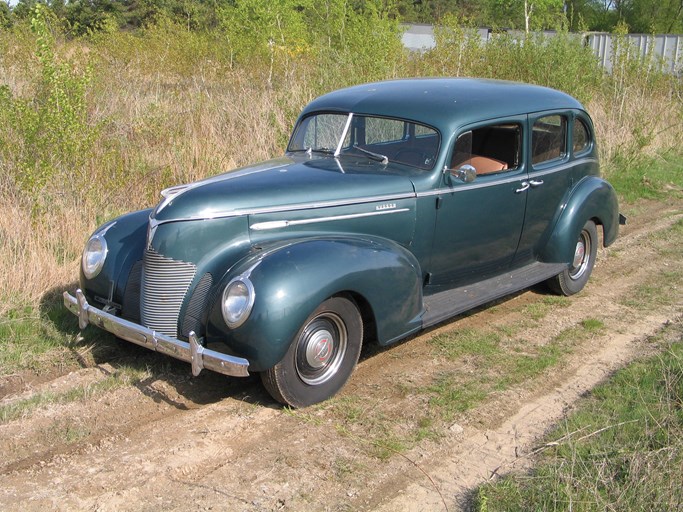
[(575, 277), (321, 358)]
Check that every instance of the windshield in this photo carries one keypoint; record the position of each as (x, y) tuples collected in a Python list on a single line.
[(378, 138)]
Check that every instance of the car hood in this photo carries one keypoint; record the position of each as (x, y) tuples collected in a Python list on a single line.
[(283, 184)]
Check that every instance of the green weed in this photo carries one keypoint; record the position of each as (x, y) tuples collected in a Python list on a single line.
[(647, 177), (452, 395), (480, 344)]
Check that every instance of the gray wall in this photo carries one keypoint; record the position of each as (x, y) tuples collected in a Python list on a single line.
[(668, 47)]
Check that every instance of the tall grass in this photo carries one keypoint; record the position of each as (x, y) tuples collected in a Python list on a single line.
[(96, 126)]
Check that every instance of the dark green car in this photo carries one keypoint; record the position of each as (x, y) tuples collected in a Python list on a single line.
[(396, 206)]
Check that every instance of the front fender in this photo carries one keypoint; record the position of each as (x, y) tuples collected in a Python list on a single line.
[(125, 238), (292, 279), (592, 198)]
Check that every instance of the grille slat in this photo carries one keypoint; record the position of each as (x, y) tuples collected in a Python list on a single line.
[(196, 307), (164, 285)]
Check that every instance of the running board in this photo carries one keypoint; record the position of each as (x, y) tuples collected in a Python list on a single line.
[(443, 305)]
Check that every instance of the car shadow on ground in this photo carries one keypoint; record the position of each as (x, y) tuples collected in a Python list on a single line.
[(373, 348), (94, 347)]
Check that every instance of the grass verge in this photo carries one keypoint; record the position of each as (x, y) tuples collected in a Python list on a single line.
[(621, 450)]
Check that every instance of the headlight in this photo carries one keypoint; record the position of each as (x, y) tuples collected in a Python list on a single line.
[(94, 254), (238, 299)]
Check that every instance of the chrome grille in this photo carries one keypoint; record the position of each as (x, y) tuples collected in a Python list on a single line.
[(164, 285)]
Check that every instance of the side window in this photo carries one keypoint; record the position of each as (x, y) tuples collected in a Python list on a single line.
[(549, 139), (580, 136), (489, 149)]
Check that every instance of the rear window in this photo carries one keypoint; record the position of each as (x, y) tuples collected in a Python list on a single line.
[(548, 139), (580, 137)]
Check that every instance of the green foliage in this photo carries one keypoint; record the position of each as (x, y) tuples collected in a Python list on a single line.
[(87, 16), (334, 34), (271, 31), (51, 127), (644, 177), (5, 15), (526, 14), (460, 52)]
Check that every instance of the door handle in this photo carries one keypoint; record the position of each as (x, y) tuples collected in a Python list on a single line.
[(525, 186), (535, 183)]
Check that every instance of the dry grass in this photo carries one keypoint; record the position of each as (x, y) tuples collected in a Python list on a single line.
[(163, 116), (635, 119), (37, 255)]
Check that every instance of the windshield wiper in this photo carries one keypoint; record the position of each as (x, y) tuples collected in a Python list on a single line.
[(383, 159), (308, 151), (327, 151)]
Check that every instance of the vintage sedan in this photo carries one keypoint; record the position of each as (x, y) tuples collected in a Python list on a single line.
[(396, 206)]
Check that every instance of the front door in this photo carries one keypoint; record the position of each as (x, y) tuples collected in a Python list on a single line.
[(479, 224)]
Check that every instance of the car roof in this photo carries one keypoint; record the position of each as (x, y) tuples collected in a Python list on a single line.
[(445, 103)]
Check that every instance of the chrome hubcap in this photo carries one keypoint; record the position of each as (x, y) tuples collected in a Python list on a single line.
[(320, 349), (581, 256)]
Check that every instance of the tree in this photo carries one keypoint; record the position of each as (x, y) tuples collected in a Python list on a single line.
[(265, 29), (5, 15), (85, 16), (653, 16), (529, 14)]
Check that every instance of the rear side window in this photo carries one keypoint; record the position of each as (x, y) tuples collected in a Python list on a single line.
[(580, 137), (489, 149), (549, 139)]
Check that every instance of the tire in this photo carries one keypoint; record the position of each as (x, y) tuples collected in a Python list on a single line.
[(321, 358), (575, 277)]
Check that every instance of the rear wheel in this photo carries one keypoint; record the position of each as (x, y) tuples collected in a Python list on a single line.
[(575, 277), (321, 358)]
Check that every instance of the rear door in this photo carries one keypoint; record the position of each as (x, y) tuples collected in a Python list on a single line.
[(550, 180)]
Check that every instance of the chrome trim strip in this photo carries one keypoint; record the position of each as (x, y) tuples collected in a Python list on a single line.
[(563, 167), (292, 208), (518, 177), (230, 175), (192, 352), (462, 188), (278, 224)]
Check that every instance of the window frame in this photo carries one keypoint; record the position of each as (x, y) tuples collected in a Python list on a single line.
[(521, 124), (590, 137)]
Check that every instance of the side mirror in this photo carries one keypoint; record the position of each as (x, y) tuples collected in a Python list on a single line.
[(465, 173)]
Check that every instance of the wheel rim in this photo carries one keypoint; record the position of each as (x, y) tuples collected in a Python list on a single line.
[(320, 349), (581, 256)]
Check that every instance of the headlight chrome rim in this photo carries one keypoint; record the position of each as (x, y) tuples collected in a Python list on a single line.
[(92, 261), (234, 319)]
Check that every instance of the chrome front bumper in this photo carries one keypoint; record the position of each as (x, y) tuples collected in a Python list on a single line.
[(191, 352)]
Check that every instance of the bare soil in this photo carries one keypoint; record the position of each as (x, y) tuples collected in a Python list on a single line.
[(172, 442)]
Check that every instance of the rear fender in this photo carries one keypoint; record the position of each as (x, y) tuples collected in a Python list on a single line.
[(592, 199), (292, 279)]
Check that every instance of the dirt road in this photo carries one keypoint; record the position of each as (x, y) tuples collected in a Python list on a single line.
[(171, 442)]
